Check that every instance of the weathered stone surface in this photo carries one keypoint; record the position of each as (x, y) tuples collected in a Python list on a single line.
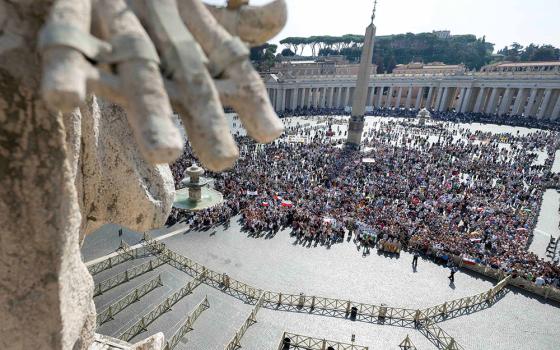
[(49, 175), (64, 175), (254, 24), (45, 289), (155, 342), (102, 342), (123, 66), (117, 185)]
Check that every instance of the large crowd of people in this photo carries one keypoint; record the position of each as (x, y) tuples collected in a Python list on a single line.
[(441, 189), (452, 116)]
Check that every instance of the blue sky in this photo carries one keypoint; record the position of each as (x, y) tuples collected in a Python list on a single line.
[(502, 21)]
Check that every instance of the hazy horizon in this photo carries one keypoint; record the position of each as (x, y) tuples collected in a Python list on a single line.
[(501, 22)]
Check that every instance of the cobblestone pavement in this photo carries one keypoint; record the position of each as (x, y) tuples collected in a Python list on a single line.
[(103, 241), (517, 321), (547, 224)]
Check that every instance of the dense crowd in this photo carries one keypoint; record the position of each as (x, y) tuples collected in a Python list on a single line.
[(510, 120), (441, 189)]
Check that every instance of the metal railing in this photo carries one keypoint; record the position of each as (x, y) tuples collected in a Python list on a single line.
[(435, 333), (125, 253), (423, 318), (187, 326), (317, 302), (127, 275), (129, 299), (407, 344), (251, 319), (195, 269), (142, 324), (341, 305), (158, 248), (298, 341), (466, 302)]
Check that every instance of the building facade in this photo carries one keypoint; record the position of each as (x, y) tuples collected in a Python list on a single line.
[(524, 91), (429, 68), (329, 66)]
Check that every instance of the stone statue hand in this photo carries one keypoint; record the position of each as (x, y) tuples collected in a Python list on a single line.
[(153, 57)]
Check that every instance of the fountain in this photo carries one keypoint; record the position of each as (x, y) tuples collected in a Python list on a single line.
[(196, 194)]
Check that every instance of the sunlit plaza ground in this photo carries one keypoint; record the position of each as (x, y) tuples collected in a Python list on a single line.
[(517, 321)]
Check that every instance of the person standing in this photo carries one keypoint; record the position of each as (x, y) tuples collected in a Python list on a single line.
[(452, 274), (415, 259)]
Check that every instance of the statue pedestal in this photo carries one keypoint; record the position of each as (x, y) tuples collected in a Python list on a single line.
[(355, 131)]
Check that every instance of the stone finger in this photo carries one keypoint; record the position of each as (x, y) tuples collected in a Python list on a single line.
[(63, 85), (148, 107)]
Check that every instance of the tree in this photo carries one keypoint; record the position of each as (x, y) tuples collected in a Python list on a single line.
[(511, 53), (314, 43), (329, 42), (294, 43), (546, 53), (328, 52), (263, 56), (287, 53)]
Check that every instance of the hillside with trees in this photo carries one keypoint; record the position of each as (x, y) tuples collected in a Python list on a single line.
[(517, 53), (399, 49), (424, 47)]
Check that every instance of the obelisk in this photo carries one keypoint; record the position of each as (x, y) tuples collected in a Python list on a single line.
[(356, 125)]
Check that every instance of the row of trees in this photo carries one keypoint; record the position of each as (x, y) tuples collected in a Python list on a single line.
[(324, 42), (424, 47), (404, 48), (399, 49), (517, 53)]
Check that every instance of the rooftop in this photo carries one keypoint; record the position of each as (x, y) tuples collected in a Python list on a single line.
[(527, 64)]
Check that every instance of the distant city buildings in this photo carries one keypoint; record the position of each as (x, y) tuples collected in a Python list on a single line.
[(429, 68), (442, 34), (323, 66), (552, 67)]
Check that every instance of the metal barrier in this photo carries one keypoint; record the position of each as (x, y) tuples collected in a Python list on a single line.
[(187, 326), (546, 291), (407, 344), (437, 334), (126, 276), (125, 254), (322, 303), (297, 341), (251, 319), (159, 310), (423, 318), (129, 299), (195, 269), (340, 305), (466, 302)]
